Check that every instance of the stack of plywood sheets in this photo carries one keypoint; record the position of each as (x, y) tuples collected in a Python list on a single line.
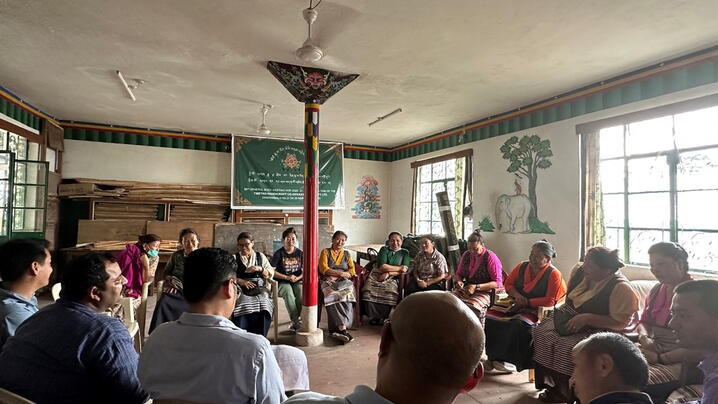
[(134, 190), (205, 213), (129, 211), (171, 230)]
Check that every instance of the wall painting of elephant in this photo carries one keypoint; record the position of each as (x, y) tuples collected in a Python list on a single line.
[(518, 213)]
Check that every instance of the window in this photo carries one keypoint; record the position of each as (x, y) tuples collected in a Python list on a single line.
[(658, 180), (23, 187), (447, 173)]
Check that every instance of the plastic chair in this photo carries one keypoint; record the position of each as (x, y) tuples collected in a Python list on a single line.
[(142, 310), (55, 291), (8, 397)]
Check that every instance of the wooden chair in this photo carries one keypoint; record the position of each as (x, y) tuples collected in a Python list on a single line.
[(55, 291), (7, 397)]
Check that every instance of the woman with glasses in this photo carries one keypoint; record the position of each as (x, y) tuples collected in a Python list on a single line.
[(253, 310)]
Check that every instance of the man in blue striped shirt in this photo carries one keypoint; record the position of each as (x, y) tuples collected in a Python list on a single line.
[(25, 267), (69, 352)]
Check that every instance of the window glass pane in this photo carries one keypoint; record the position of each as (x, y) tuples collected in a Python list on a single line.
[(435, 188), (614, 240), (28, 220), (701, 247), (3, 139), (425, 173), (438, 171), (613, 210), (437, 228), (32, 173), (424, 228), (650, 136), (695, 210), (612, 172), (697, 128), (4, 165), (3, 222), (51, 158), (648, 174), (649, 210), (435, 213), (425, 192), (698, 170), (611, 142), (641, 240), (29, 196), (425, 211), (33, 151), (451, 168)]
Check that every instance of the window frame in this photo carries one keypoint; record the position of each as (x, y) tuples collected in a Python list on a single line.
[(672, 160)]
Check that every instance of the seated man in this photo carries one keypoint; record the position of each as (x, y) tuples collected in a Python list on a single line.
[(24, 268), (609, 369), (429, 348), (203, 356), (695, 321), (69, 352)]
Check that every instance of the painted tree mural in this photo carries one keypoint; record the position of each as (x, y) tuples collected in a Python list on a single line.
[(526, 157)]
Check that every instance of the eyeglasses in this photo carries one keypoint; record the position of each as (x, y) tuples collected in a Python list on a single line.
[(236, 286), (244, 244)]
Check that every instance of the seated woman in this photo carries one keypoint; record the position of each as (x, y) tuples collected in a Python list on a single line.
[(599, 298), (381, 290), (138, 263), (253, 309), (659, 344), (336, 269), (530, 284), (479, 272), (287, 262), (172, 304), (429, 269)]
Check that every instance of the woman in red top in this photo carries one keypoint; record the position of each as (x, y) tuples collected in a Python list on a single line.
[(531, 284)]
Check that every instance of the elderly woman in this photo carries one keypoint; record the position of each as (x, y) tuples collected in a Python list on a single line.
[(381, 290), (253, 309), (172, 304), (429, 269), (479, 272), (336, 268), (287, 262), (669, 264), (599, 298), (530, 284), (138, 263)]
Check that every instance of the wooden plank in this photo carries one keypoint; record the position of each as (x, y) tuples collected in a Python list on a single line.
[(109, 230), (170, 230)]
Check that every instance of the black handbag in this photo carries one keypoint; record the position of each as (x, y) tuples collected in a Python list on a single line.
[(260, 286)]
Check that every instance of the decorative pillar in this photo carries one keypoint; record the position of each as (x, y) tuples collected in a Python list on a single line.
[(312, 87)]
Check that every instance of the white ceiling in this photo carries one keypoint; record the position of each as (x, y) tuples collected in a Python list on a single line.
[(444, 62)]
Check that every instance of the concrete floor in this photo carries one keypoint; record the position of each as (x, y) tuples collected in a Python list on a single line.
[(335, 369)]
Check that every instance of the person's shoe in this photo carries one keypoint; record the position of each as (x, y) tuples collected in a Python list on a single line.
[(295, 326), (342, 336), (348, 336)]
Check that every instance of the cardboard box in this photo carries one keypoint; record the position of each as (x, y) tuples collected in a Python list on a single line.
[(76, 189)]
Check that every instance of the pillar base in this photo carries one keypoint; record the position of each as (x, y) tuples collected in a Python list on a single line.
[(310, 338)]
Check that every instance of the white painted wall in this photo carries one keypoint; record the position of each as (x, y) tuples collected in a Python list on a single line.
[(156, 164), (110, 161), (558, 190), (364, 231)]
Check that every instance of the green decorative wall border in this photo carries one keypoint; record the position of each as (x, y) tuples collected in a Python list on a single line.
[(17, 111), (106, 134)]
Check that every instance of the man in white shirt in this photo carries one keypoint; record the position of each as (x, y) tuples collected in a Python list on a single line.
[(429, 349), (203, 356)]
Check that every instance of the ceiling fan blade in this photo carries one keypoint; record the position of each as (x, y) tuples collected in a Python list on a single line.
[(332, 21)]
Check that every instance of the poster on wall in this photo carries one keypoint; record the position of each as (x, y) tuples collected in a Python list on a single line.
[(367, 202), (268, 173)]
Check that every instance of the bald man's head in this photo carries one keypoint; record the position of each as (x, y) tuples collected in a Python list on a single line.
[(436, 338)]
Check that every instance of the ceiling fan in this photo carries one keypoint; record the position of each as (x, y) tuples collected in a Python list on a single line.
[(309, 51)]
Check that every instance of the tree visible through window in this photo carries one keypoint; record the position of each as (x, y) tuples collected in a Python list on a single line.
[(659, 181)]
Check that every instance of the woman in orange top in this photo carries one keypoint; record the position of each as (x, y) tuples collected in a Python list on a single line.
[(530, 284)]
